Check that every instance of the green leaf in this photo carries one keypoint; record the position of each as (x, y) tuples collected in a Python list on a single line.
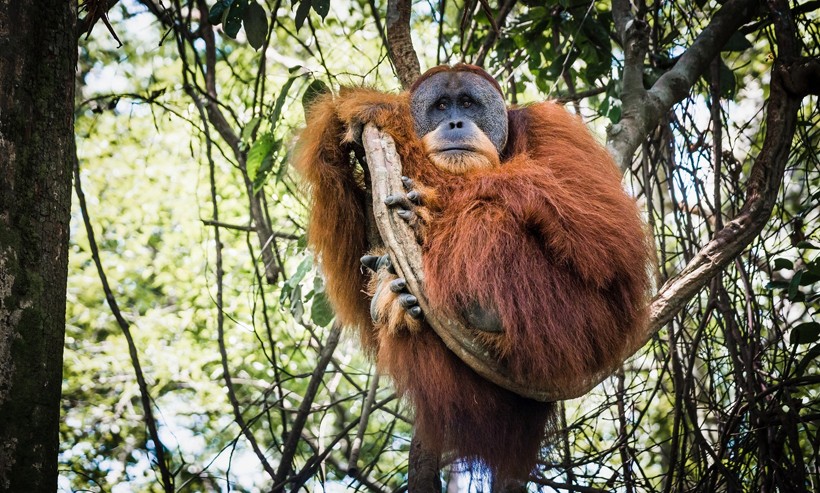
[(808, 278), (301, 13), (264, 170), (541, 82), (322, 7), (261, 150), (737, 42), (557, 64), (297, 307), (777, 285), (303, 269), (233, 17), (315, 89), (614, 114), (318, 285), (805, 333), (285, 293), (321, 313), (795, 284), (280, 100), (812, 353), (603, 109), (800, 297), (783, 263), (218, 10), (727, 81), (250, 128), (597, 31), (596, 68), (255, 21)]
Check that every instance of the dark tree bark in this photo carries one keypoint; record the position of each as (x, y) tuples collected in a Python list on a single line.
[(400, 45), (422, 476), (38, 53)]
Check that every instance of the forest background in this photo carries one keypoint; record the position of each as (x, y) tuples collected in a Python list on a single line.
[(200, 352)]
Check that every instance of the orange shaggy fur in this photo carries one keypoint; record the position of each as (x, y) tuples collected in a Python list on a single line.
[(549, 240)]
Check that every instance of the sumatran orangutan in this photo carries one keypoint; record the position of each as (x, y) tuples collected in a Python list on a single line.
[(526, 234)]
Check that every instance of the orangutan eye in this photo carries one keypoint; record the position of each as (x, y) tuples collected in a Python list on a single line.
[(441, 105), (467, 103)]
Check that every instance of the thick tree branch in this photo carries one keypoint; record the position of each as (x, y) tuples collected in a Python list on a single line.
[(764, 182), (634, 36), (641, 109), (384, 165), (674, 85), (399, 44), (422, 468)]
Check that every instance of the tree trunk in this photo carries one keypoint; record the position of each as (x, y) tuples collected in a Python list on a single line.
[(38, 54), (423, 469)]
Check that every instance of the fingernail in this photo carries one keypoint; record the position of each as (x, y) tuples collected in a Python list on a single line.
[(415, 312), (370, 261)]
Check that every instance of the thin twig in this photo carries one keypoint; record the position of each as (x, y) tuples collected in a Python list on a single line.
[(249, 229), (499, 21), (289, 450), (145, 396), (203, 114), (355, 449)]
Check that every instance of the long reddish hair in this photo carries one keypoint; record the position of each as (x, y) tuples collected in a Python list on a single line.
[(549, 240)]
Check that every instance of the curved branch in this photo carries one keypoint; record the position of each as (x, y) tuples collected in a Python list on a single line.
[(167, 480), (399, 43), (764, 178), (764, 182), (642, 108), (385, 174)]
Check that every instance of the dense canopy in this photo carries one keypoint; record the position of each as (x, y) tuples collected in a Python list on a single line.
[(201, 353)]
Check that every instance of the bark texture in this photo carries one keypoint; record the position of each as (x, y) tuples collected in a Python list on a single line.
[(399, 43), (38, 53)]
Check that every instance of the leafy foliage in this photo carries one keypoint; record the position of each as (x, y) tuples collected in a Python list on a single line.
[(724, 398)]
